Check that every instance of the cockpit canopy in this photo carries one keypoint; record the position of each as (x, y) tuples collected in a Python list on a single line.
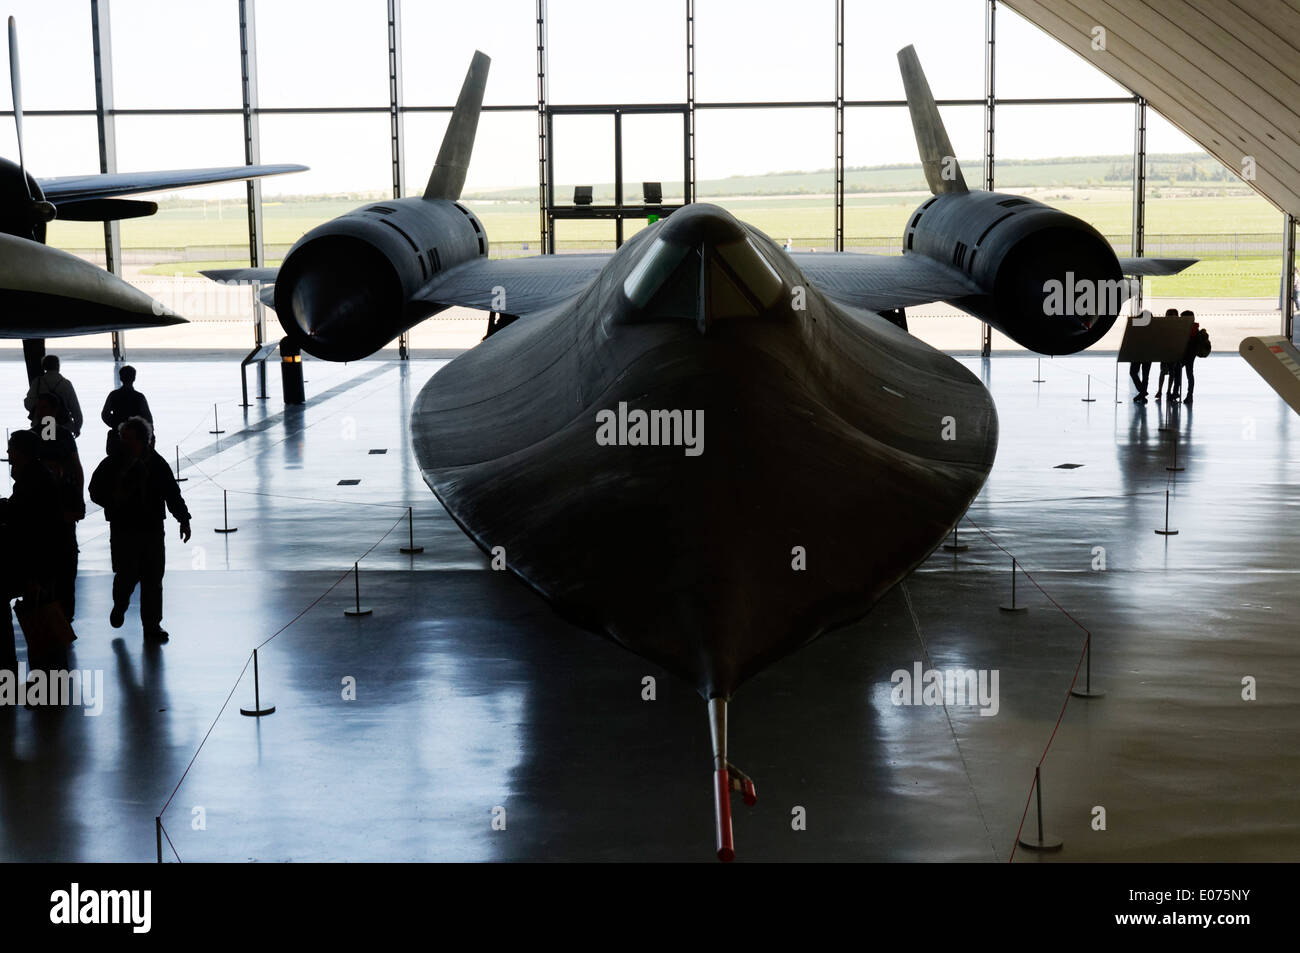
[(702, 266)]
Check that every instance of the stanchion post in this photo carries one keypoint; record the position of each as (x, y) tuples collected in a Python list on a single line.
[(1089, 399), (1039, 378), (216, 427), (1044, 842), (257, 711), (157, 833), (179, 478), (1166, 531), (1013, 607), (1175, 468), (1087, 691), (225, 518), (411, 549), (956, 546), (358, 609)]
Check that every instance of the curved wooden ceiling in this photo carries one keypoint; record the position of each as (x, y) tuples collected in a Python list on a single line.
[(1225, 72)]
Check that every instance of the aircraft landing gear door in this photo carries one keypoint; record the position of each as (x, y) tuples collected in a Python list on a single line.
[(639, 178)]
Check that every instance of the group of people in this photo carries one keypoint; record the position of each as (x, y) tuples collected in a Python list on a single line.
[(133, 484), (1170, 381)]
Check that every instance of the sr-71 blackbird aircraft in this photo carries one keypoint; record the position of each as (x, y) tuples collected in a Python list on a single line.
[(46, 292), (701, 446)]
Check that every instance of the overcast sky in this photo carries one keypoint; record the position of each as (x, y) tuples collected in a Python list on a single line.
[(334, 53)]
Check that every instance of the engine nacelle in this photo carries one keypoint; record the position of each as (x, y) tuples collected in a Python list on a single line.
[(1051, 282), (346, 287), (17, 201)]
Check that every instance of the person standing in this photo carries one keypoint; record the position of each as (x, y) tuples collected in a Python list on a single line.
[(57, 451), (52, 382), (136, 488), (1168, 368), (31, 517), (121, 404), (1140, 371), (1198, 345)]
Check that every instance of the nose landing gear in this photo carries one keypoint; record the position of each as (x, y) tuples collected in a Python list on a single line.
[(727, 778)]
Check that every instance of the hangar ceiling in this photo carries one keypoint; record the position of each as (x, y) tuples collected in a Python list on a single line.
[(1225, 72)]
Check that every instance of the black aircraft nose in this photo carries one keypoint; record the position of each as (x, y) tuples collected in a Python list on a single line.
[(700, 222), (703, 266)]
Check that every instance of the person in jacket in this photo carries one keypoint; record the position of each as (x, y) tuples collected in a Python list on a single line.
[(31, 518), (52, 382), (58, 452), (136, 488), (121, 404)]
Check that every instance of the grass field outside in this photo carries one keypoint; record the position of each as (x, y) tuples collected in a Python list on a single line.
[(1194, 208)]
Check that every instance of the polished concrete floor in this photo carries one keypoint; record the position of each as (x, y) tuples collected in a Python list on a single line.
[(471, 695)]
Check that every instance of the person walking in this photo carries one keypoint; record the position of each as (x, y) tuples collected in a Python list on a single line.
[(52, 382), (136, 488), (121, 404)]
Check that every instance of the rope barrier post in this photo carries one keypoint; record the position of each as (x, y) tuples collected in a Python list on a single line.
[(1165, 414), (1039, 379), (1175, 468), (257, 711), (359, 609), (1089, 399), (1044, 842), (1087, 691), (1117, 400), (956, 546), (179, 478), (225, 518), (216, 427), (157, 833), (412, 549), (1013, 607), (1166, 531)]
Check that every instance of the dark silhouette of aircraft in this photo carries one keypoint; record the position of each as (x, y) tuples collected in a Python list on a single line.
[(707, 449), (46, 292)]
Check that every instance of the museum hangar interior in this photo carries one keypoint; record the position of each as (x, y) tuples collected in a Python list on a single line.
[(356, 670)]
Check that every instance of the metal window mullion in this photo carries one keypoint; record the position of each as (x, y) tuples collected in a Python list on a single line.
[(1288, 276), (253, 156), (106, 124), (990, 106), (396, 127), (544, 197), (839, 125), (690, 102), (1138, 244)]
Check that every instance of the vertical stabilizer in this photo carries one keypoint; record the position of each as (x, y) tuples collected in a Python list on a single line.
[(941, 169), (448, 176)]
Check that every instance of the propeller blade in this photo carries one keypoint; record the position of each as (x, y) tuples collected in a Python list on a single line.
[(16, 89)]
